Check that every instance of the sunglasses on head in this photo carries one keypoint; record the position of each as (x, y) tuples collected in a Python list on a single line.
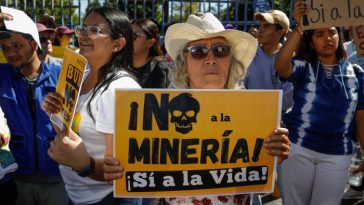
[(138, 35), (201, 51)]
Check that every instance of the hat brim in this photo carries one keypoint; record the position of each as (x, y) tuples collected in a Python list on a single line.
[(265, 17), (47, 30), (243, 45), (68, 32), (4, 35)]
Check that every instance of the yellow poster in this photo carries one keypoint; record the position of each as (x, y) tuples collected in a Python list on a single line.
[(2, 58), (189, 142), (68, 86), (58, 51)]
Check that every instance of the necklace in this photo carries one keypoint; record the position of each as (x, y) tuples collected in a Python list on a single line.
[(328, 69)]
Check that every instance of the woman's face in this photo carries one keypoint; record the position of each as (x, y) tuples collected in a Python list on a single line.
[(140, 40), (208, 71), (66, 39), (325, 41), (94, 41)]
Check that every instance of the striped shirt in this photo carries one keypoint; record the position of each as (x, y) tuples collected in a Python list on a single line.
[(322, 117)]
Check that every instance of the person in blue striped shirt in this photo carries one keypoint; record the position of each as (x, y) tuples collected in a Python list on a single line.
[(328, 109)]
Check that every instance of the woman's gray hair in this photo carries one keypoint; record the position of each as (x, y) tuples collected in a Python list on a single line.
[(179, 78)]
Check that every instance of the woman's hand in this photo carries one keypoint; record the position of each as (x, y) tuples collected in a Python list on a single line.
[(52, 103), (300, 9), (278, 143), (4, 16), (112, 169), (359, 169), (69, 150), (4, 134)]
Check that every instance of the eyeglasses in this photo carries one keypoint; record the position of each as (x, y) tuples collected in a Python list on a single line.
[(137, 35), (90, 31), (44, 39), (201, 51), (14, 46)]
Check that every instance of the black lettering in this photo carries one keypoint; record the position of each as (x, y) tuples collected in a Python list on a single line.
[(133, 119), (155, 151), (209, 148), (151, 107), (357, 12), (335, 14), (186, 150), (139, 153), (171, 150), (240, 151), (317, 11), (225, 150), (349, 8), (69, 97)]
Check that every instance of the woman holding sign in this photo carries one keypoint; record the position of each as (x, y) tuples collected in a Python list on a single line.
[(209, 58), (106, 40), (328, 108)]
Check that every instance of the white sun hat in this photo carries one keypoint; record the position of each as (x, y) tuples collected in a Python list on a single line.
[(206, 25)]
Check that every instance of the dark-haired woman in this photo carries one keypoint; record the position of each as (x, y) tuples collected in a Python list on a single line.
[(328, 108), (149, 65), (106, 40)]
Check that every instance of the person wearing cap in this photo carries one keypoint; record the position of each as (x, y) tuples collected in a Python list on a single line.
[(7, 162), (63, 36), (209, 57), (24, 82), (48, 21), (261, 73), (328, 112), (46, 38)]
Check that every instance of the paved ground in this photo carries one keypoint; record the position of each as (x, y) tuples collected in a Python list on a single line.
[(269, 200)]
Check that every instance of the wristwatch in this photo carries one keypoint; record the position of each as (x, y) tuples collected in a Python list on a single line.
[(88, 170)]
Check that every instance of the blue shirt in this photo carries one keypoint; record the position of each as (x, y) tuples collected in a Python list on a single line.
[(261, 74), (322, 117), (30, 136)]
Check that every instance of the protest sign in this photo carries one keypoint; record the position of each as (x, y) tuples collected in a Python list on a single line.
[(328, 13), (358, 37), (189, 142), (68, 86), (2, 58), (58, 51)]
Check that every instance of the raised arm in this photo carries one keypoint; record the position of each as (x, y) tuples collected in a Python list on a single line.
[(283, 61)]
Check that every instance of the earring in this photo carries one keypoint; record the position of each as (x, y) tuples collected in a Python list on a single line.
[(115, 49)]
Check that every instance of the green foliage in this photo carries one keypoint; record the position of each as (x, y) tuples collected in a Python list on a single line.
[(39, 10), (282, 5), (136, 9)]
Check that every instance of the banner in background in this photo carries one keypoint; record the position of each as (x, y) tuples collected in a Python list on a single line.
[(328, 13), (261, 6)]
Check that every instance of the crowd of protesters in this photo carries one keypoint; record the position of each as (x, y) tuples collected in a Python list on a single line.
[(322, 115)]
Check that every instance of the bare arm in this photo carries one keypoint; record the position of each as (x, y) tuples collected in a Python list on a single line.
[(71, 151), (283, 61)]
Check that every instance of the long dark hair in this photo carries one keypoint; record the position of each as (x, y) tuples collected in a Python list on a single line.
[(306, 51), (119, 26), (150, 28)]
